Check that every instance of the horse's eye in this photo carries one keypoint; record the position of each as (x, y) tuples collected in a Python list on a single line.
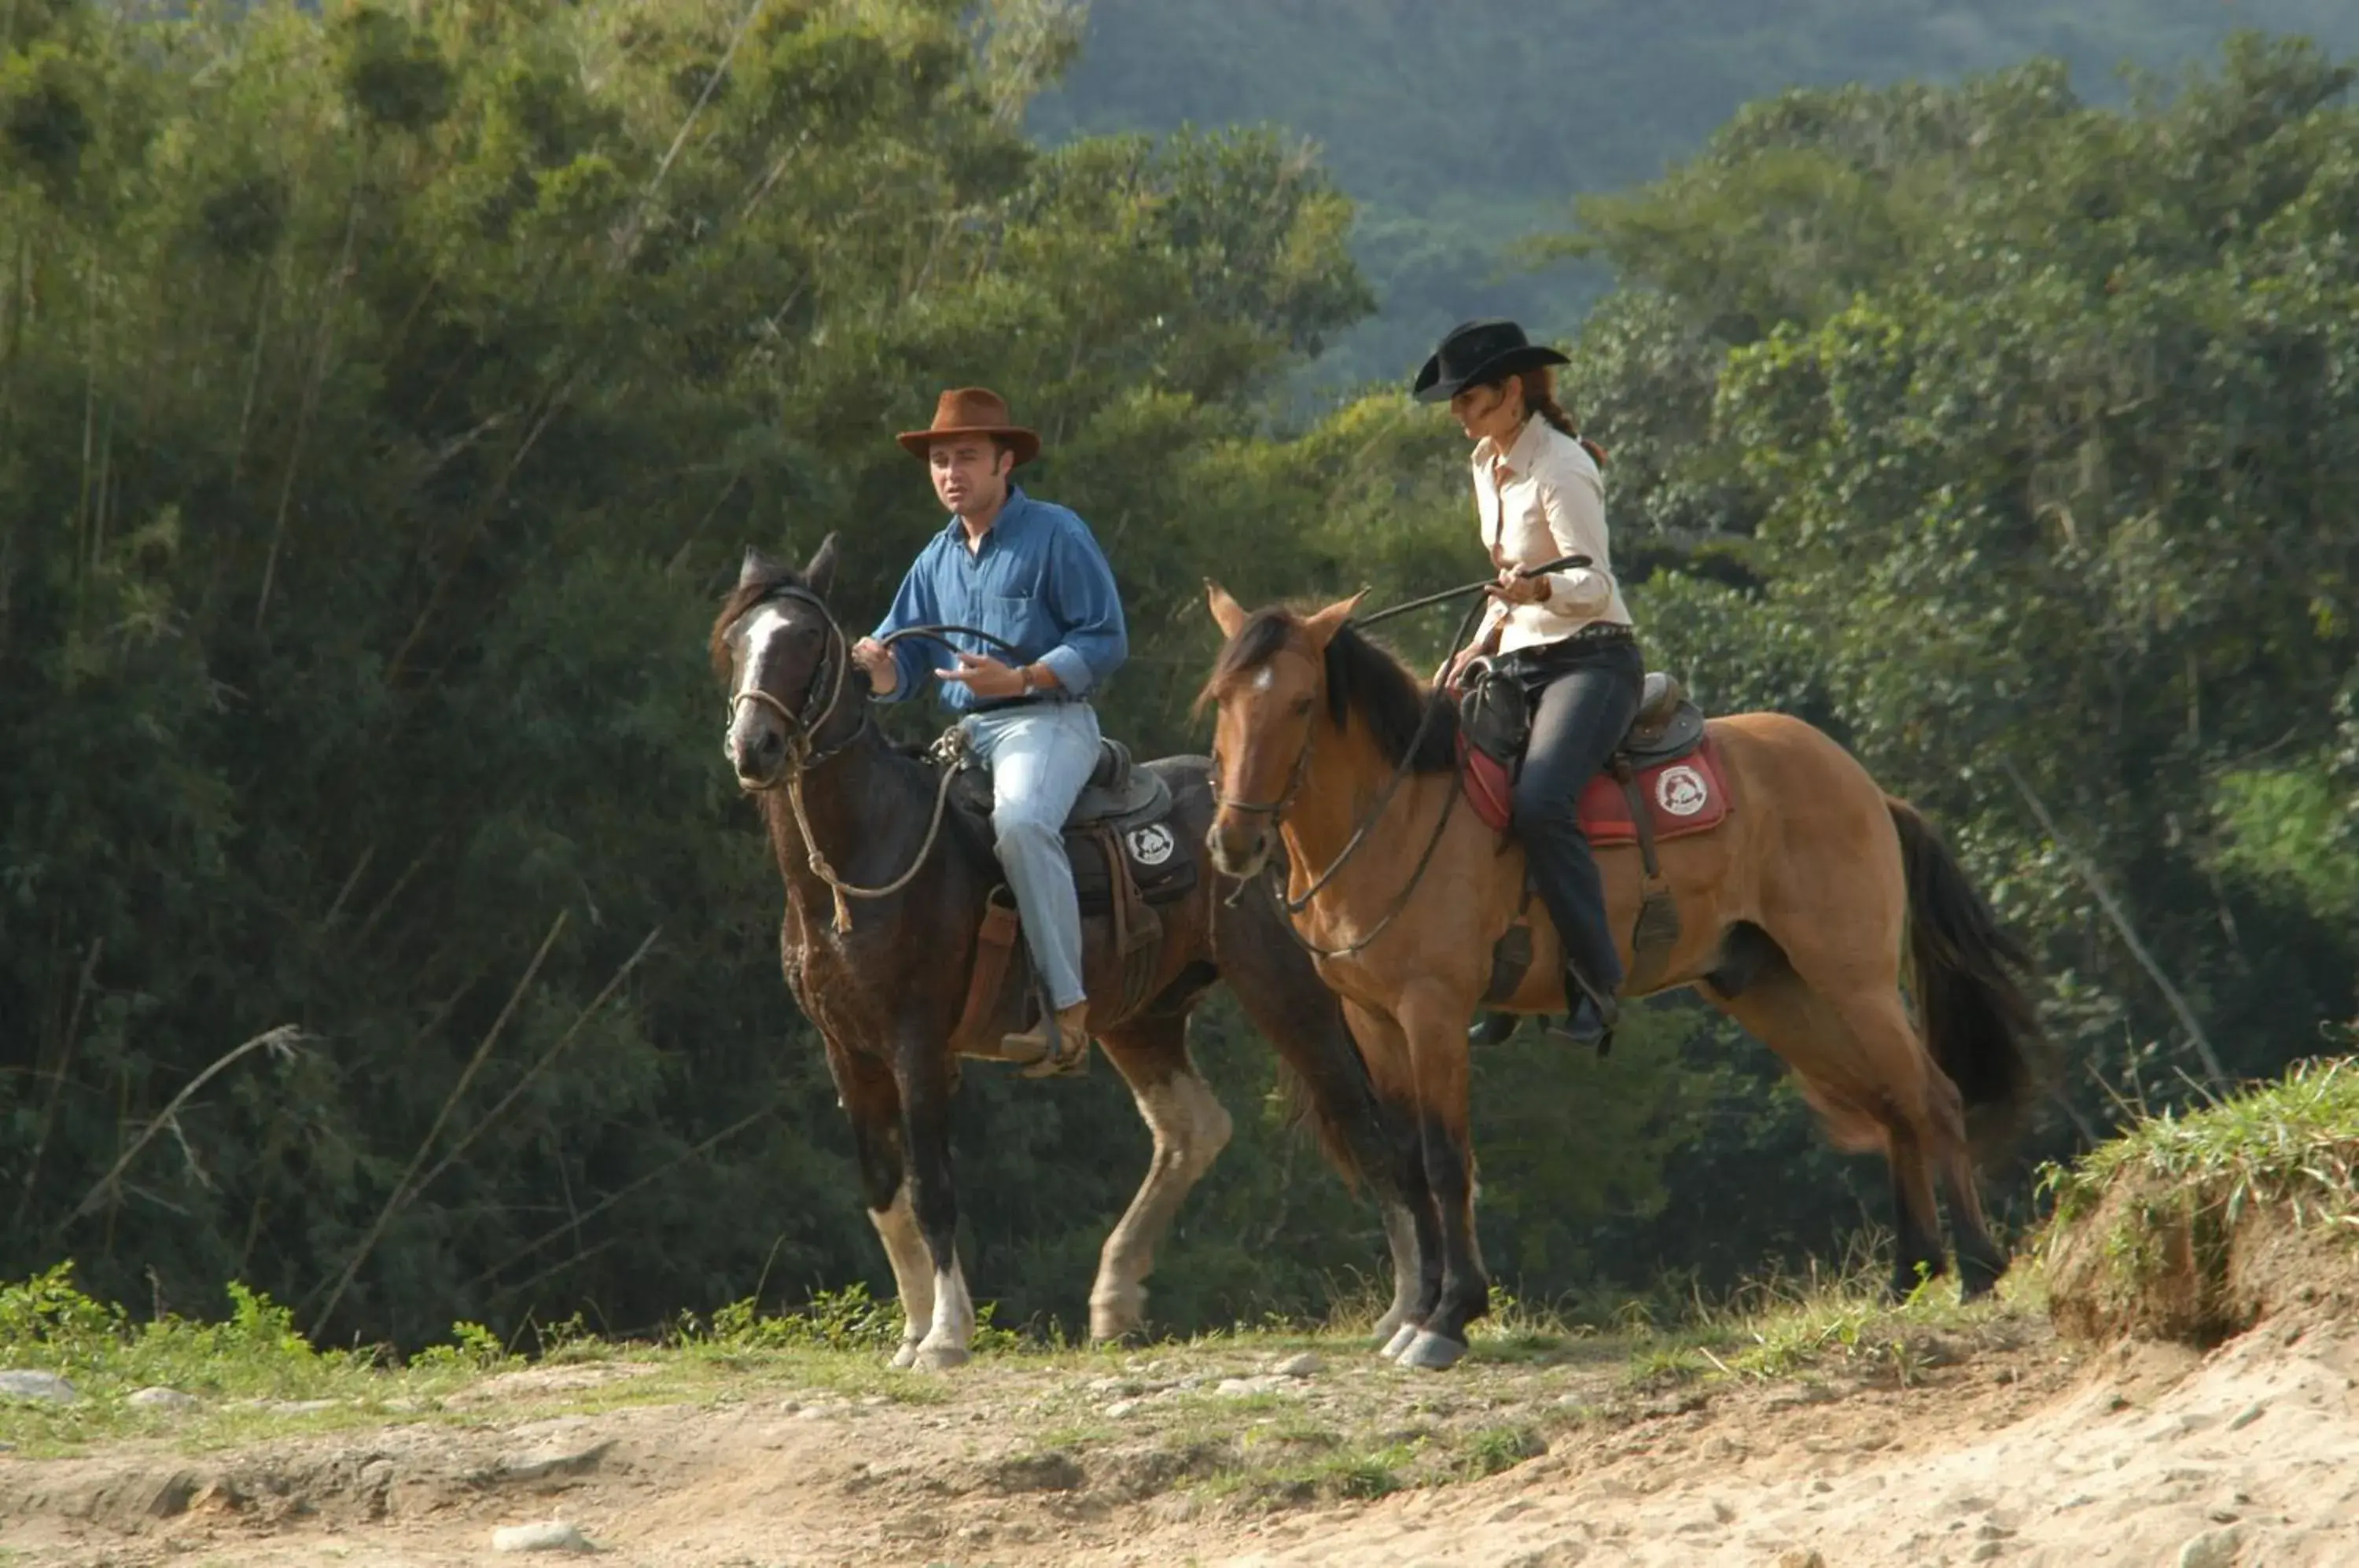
[(1303, 706)]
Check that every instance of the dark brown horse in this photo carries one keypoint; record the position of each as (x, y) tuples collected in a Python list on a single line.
[(1795, 916), (887, 982)]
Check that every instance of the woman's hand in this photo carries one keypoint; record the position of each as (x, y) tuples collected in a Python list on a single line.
[(1514, 588)]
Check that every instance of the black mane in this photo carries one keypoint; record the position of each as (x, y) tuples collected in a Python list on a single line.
[(1363, 678)]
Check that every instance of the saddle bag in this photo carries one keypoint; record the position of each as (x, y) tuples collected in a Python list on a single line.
[(1494, 710)]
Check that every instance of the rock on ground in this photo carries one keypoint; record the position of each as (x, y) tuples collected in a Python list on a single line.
[(163, 1400), (37, 1386), (550, 1535)]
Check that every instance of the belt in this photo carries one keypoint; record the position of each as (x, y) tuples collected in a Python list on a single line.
[(1036, 699), (1545, 661)]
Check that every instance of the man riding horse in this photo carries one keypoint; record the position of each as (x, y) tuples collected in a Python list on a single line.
[(1029, 575)]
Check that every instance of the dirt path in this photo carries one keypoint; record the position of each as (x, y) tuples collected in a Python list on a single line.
[(1995, 1448)]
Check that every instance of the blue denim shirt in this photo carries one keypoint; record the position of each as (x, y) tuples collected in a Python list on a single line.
[(1038, 578)]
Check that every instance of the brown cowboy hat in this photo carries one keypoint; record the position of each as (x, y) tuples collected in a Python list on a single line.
[(973, 411)]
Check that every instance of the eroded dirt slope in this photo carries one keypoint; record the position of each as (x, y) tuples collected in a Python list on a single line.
[(1993, 1446)]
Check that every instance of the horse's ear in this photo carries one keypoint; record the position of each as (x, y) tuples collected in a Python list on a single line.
[(1230, 615), (757, 566), (821, 572), (1321, 627)]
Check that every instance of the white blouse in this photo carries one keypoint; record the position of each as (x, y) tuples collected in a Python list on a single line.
[(1542, 500)]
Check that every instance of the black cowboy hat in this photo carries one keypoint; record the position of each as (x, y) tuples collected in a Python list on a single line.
[(1477, 352)]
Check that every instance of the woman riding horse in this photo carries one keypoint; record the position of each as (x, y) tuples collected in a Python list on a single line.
[(1565, 637), (1800, 887)]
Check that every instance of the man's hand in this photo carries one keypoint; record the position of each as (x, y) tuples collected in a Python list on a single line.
[(873, 657), (985, 677)]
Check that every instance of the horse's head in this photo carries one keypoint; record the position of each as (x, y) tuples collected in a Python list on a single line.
[(1267, 691), (785, 659)]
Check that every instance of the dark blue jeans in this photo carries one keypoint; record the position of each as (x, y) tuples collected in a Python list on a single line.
[(1584, 697)]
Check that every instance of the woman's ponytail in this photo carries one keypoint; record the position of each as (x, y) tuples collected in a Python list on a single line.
[(1539, 398)]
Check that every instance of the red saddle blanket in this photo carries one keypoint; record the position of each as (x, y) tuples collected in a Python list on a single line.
[(1685, 795)]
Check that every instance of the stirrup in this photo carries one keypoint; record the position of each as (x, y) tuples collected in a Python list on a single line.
[(1063, 1052), (1593, 1018)]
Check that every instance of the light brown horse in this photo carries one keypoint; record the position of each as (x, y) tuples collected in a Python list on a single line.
[(1797, 915)]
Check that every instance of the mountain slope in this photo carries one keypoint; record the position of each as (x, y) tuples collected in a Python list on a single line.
[(1463, 127)]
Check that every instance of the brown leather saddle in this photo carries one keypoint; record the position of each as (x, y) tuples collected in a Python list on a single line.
[(1128, 861)]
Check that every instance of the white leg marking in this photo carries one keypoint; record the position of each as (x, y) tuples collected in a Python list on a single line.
[(913, 1270), (1190, 1129), (953, 1331)]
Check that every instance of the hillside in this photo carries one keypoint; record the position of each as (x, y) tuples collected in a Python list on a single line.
[(1460, 127)]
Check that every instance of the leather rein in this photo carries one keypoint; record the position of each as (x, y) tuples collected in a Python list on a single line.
[(1276, 810), (804, 753)]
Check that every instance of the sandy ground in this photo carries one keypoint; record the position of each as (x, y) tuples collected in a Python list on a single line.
[(2008, 1450)]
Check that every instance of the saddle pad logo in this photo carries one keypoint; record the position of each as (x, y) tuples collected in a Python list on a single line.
[(1150, 845), (1681, 791)]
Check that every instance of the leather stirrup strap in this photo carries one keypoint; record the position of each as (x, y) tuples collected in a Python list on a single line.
[(1657, 931), (995, 941), (1137, 930), (1641, 819)]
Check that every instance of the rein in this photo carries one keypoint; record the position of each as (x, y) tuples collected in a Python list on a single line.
[(1276, 810), (1401, 770), (801, 756), (1562, 563)]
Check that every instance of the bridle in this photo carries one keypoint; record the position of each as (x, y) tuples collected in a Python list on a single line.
[(1276, 810), (804, 752)]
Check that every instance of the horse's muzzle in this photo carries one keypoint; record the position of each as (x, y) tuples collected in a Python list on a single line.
[(1240, 848), (759, 756)]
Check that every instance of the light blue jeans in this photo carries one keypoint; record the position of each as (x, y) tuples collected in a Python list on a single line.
[(1040, 756)]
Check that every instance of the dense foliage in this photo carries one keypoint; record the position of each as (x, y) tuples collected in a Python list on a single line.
[(381, 407), (385, 400)]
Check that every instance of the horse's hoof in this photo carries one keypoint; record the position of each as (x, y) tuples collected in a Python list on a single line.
[(1430, 1352), (907, 1356), (1975, 1285), (1402, 1338), (941, 1357)]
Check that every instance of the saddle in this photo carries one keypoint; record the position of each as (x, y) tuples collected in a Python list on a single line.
[(1664, 781), (1128, 861), (1665, 753), (1667, 725), (1122, 801)]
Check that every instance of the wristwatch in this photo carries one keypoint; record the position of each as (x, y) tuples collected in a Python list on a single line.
[(1025, 671)]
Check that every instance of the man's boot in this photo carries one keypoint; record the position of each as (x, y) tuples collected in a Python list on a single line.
[(1055, 1046)]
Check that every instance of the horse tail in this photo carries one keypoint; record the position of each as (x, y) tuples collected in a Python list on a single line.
[(1303, 1109), (1980, 1024), (1323, 1079)]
